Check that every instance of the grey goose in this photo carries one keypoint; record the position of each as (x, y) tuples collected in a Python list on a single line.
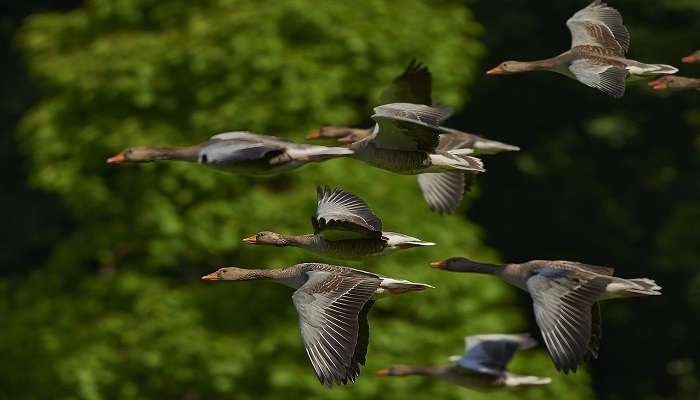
[(240, 152), (565, 298), (482, 367), (344, 228), (599, 41), (332, 303), (443, 191)]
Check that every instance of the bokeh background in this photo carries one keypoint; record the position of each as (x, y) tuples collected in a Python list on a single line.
[(100, 296)]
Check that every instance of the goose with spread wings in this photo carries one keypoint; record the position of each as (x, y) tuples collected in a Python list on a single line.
[(482, 366), (599, 42), (241, 152), (442, 191), (564, 296), (332, 303), (344, 228)]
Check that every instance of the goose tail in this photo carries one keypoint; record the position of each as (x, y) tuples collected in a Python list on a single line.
[(493, 147), (453, 160), (514, 380), (399, 286), (653, 69), (633, 288)]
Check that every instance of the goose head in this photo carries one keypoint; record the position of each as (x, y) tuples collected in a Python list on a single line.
[(237, 274), (137, 154), (460, 264), (510, 67), (267, 238)]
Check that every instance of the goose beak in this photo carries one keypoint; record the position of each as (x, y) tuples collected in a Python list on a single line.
[(214, 276), (250, 240), (658, 85), (315, 134), (438, 264), (495, 71), (118, 159), (345, 139), (689, 59)]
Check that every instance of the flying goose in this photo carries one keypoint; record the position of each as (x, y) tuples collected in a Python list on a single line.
[(599, 41), (344, 227), (564, 296), (442, 192), (241, 152), (332, 303), (482, 366)]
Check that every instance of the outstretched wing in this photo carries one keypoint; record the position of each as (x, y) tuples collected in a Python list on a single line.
[(601, 26), (490, 354), (602, 76), (342, 215), (562, 302), (412, 86), (329, 308), (443, 191), (409, 127)]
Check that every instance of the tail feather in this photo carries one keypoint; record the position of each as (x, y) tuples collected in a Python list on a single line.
[(645, 286), (452, 160), (483, 146), (514, 380)]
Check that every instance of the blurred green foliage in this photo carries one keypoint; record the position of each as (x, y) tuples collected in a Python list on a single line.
[(118, 310)]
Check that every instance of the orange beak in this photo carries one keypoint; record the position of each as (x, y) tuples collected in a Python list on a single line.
[(495, 71), (314, 135), (214, 276), (689, 59), (250, 240), (658, 85), (345, 139), (437, 264), (118, 159)]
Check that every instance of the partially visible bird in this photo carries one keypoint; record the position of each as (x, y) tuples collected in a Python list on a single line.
[(482, 366), (240, 152), (332, 303), (692, 58), (564, 296), (344, 227), (599, 41), (675, 83)]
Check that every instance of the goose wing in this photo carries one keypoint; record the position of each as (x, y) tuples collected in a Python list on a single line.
[(412, 86), (601, 75), (330, 307), (342, 215), (443, 191), (407, 126), (562, 303), (601, 26), (233, 147), (489, 354)]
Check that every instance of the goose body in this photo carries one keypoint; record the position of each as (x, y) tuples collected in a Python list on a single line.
[(599, 42), (332, 303), (565, 296), (344, 228), (241, 152), (482, 367)]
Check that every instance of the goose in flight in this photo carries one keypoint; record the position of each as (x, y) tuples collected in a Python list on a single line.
[(482, 367), (565, 298), (599, 42), (344, 228), (332, 303)]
